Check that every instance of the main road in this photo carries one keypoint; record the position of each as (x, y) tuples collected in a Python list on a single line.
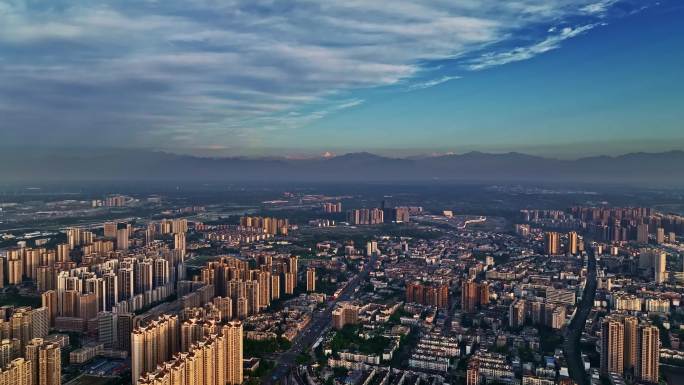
[(320, 322), (574, 331)]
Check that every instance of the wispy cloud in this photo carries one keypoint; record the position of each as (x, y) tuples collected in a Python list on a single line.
[(431, 83), (200, 73), (598, 8), (551, 42)]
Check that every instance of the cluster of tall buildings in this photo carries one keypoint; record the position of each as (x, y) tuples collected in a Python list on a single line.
[(46, 362), (25, 357), (625, 231), (552, 243), (395, 214), (33, 264), (607, 214), (164, 353), (329, 207), (473, 295), (122, 284), (119, 233), (252, 290), (630, 224), (112, 201), (18, 326), (428, 293), (653, 263), (42, 265), (630, 346), (547, 314), (373, 216), (630, 218), (154, 344), (97, 291), (114, 330), (275, 226)]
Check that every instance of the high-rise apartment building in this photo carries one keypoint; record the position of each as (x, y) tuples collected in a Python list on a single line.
[(642, 233), (264, 279), (659, 267), (215, 360), (126, 283), (292, 266), (371, 248), (573, 243), (365, 216), (275, 287), (63, 251), (110, 230), (612, 346), (179, 226), (16, 372), (233, 334), (179, 243), (122, 239), (49, 301), (272, 226), (516, 314), (124, 328), (552, 243), (290, 283), (345, 314), (429, 293), (470, 295), (648, 354), (154, 344), (311, 280), (329, 207), (49, 365), (631, 343)]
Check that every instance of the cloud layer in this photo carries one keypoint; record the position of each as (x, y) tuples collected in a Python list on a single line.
[(202, 73)]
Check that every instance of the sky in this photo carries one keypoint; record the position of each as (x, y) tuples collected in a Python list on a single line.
[(560, 78)]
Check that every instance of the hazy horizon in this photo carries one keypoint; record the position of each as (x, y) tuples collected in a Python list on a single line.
[(551, 151)]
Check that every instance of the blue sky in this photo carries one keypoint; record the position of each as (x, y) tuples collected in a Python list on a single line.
[(562, 78)]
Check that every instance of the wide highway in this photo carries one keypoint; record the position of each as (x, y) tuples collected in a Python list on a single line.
[(320, 323), (574, 331)]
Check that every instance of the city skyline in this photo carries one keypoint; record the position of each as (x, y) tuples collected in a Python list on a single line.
[(560, 79)]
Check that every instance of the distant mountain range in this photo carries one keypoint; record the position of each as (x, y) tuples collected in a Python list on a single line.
[(666, 168)]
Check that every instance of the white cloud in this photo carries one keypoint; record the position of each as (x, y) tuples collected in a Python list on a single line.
[(598, 8), (203, 72), (551, 42), (432, 82)]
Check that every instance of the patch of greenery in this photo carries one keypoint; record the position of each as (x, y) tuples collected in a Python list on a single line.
[(664, 334), (348, 339), (340, 372), (526, 354), (259, 349), (265, 367), (550, 339), (395, 318), (12, 297), (303, 359), (406, 343)]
